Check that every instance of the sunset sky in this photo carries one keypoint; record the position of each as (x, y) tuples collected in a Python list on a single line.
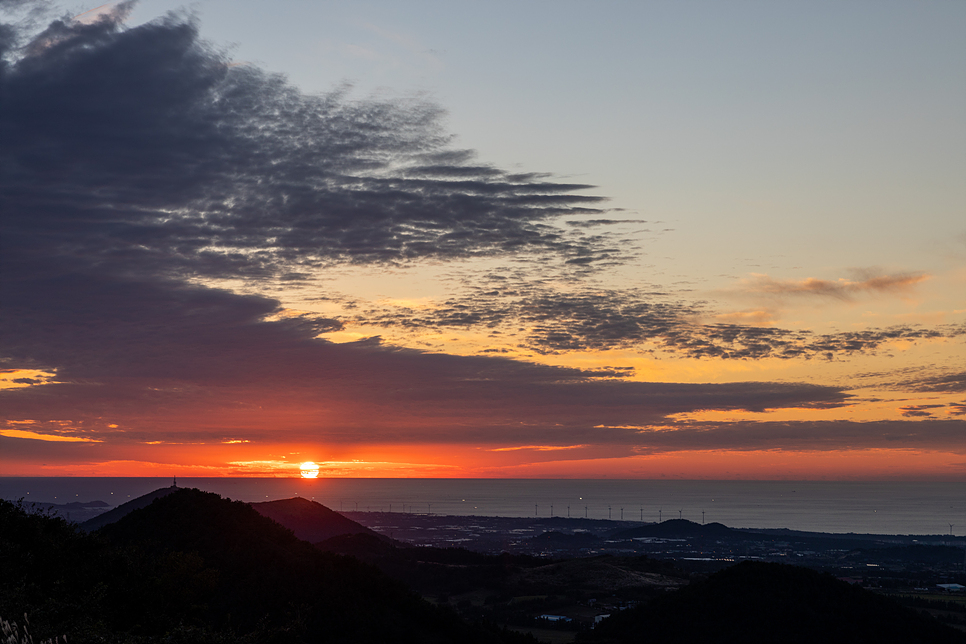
[(546, 239)]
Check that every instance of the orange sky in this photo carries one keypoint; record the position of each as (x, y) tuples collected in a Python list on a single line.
[(211, 271)]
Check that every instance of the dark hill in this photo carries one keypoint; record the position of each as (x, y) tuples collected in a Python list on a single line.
[(123, 510), (310, 521), (241, 570), (597, 575), (678, 529), (766, 602), (193, 567)]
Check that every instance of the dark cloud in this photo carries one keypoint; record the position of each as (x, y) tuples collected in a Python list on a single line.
[(946, 383), (170, 358), (957, 409), (809, 435), (134, 159), (592, 319), (591, 223), (146, 150), (736, 341), (918, 411), (918, 379)]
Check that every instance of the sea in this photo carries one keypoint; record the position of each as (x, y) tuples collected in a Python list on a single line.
[(906, 508)]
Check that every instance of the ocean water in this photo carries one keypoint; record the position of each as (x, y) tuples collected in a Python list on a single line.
[(820, 506)]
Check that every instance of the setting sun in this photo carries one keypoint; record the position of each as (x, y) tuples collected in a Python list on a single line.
[(310, 470)]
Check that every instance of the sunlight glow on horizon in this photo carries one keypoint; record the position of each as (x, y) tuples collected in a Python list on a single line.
[(309, 470)]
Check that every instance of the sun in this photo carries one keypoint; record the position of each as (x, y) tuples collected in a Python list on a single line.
[(310, 470)]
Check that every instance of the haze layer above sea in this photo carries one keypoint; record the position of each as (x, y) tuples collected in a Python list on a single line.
[(819, 506)]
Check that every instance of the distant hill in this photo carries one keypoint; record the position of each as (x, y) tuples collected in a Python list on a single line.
[(76, 511), (595, 575), (766, 602), (78, 505), (123, 510), (310, 521), (678, 528)]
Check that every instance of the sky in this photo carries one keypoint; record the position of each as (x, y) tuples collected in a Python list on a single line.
[(693, 240)]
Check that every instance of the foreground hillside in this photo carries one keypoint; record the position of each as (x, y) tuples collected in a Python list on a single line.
[(772, 603), (193, 567)]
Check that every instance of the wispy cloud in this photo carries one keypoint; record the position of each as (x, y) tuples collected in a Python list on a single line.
[(37, 436), (866, 281), (948, 382), (545, 319), (919, 411)]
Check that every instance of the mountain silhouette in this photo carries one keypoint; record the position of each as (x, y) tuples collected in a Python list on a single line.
[(226, 564), (677, 528), (124, 509), (310, 521)]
